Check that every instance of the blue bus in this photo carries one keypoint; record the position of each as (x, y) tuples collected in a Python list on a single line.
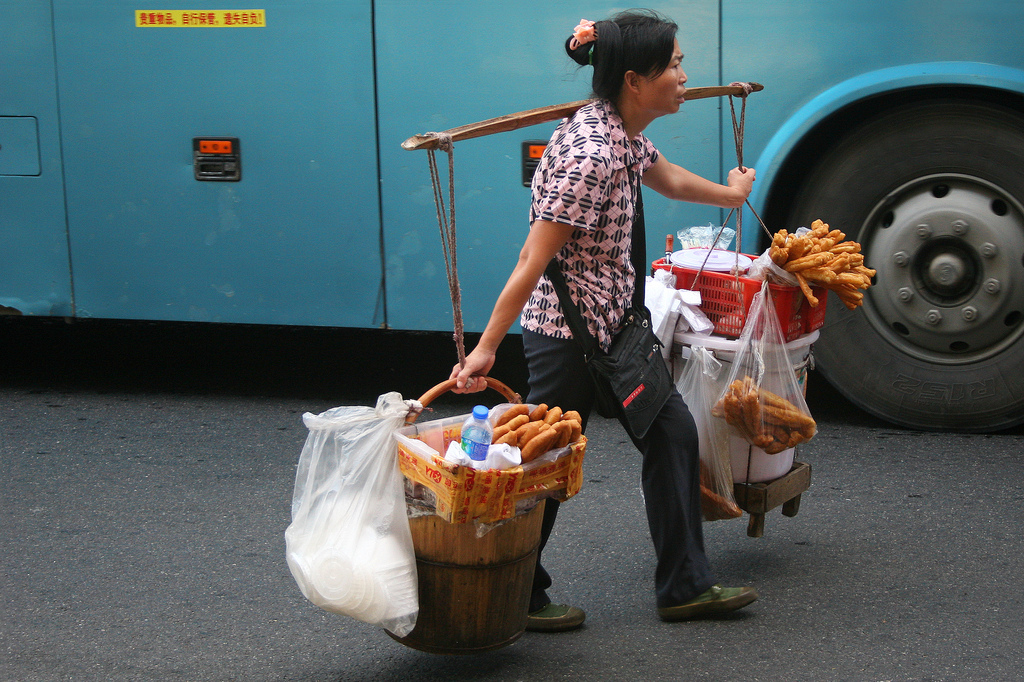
[(243, 165)]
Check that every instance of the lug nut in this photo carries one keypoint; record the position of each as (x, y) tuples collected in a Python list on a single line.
[(906, 294), (989, 250), (960, 227), (992, 286), (924, 230), (900, 258), (933, 317), (970, 313)]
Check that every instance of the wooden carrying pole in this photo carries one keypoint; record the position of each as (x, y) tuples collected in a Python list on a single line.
[(504, 124)]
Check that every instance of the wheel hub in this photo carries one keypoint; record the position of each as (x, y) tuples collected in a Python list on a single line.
[(946, 270), (946, 273), (947, 250)]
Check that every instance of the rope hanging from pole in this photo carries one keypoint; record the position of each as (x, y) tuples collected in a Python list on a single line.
[(737, 131), (738, 125), (446, 224), (737, 134)]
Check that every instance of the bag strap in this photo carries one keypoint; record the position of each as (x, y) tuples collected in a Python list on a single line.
[(637, 257), (572, 315)]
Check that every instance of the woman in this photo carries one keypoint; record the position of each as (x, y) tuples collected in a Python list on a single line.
[(581, 215)]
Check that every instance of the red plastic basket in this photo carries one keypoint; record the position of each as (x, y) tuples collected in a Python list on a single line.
[(726, 299), (814, 318)]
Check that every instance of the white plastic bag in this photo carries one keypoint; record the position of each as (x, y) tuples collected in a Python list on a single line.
[(662, 302), (673, 310), (348, 546), (698, 385)]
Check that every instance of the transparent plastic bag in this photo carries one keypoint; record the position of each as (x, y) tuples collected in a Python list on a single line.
[(699, 387), (348, 546), (705, 237), (763, 399), (764, 268)]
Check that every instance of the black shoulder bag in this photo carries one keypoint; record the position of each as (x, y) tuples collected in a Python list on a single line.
[(632, 379)]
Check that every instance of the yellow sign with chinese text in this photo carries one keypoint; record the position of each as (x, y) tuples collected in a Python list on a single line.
[(206, 18)]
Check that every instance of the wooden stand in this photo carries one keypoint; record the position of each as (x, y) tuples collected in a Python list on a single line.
[(757, 499)]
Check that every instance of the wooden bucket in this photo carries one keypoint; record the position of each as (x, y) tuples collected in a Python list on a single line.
[(474, 592)]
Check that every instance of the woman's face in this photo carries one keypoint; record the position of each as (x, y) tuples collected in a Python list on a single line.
[(664, 93)]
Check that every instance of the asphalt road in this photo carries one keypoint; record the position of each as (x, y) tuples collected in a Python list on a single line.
[(146, 476)]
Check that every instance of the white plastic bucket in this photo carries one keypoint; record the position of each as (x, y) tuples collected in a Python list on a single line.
[(751, 464), (725, 351)]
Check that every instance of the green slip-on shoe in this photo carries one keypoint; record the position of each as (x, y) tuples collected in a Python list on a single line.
[(715, 602), (555, 618)]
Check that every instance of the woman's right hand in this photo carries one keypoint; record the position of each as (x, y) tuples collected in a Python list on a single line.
[(543, 242), (469, 377)]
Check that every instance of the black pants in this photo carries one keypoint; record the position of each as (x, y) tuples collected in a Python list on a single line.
[(670, 475)]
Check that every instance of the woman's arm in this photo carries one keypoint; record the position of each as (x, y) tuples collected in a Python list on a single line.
[(544, 241), (675, 182)]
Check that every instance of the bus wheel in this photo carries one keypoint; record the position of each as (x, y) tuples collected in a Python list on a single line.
[(933, 192)]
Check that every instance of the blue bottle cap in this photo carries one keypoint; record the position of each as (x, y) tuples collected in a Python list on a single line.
[(480, 412)]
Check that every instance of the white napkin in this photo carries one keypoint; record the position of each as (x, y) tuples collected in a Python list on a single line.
[(500, 456), (673, 309)]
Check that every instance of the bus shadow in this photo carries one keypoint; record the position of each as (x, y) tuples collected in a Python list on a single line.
[(342, 364)]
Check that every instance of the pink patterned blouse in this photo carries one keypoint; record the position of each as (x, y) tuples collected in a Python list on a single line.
[(583, 180)]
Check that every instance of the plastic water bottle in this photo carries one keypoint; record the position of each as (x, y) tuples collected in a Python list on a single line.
[(477, 434)]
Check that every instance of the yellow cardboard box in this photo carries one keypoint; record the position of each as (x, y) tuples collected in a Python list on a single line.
[(463, 494)]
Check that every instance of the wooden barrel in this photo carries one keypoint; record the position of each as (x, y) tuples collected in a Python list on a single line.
[(474, 592)]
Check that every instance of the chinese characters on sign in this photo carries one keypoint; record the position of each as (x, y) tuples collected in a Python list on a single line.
[(218, 18)]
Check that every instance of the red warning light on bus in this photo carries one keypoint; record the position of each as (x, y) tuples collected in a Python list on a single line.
[(215, 146)]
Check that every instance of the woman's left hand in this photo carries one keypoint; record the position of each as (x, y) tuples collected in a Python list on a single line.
[(742, 180)]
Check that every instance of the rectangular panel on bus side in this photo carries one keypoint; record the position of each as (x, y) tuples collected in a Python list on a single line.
[(294, 239)]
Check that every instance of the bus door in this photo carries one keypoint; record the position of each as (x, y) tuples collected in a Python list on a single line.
[(35, 276)]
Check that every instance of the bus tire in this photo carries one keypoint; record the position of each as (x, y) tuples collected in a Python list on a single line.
[(934, 193)]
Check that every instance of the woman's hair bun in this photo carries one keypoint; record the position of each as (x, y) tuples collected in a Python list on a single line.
[(581, 55), (634, 40)]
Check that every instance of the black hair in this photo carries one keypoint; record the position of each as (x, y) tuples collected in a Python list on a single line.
[(634, 40)]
